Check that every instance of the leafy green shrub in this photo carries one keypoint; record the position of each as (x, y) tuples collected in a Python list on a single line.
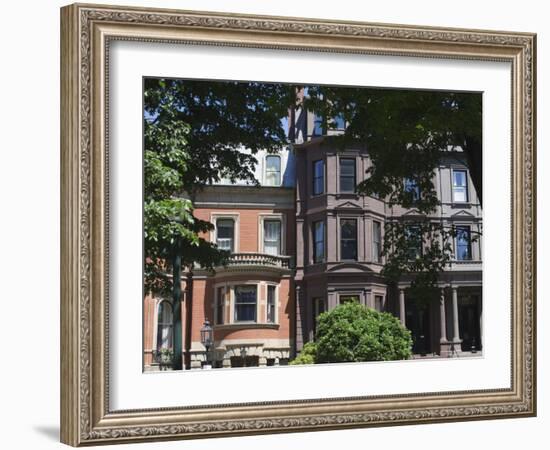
[(351, 332), (307, 355)]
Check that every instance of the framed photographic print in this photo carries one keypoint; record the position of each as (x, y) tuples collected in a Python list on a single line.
[(286, 224)]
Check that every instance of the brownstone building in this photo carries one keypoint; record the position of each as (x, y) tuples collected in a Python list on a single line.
[(303, 242)]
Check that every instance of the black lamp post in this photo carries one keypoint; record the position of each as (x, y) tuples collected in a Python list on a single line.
[(207, 339)]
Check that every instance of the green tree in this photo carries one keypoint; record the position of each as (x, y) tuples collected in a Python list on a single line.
[(352, 332), (406, 134), (194, 132), (307, 355)]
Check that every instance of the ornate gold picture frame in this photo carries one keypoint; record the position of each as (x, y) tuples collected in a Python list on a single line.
[(87, 31)]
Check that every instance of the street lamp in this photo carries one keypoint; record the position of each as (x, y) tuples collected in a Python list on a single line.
[(207, 338)]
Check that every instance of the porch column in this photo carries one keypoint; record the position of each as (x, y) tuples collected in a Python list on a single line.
[(456, 332), (442, 319), (402, 306)]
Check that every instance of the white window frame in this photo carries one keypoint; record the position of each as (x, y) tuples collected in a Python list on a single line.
[(460, 169), (234, 298), (280, 170), (272, 216), (156, 322), (214, 216)]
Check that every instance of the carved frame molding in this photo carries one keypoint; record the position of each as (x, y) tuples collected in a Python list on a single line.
[(86, 31)]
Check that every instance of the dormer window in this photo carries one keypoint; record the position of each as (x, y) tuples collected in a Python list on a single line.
[(273, 170), (460, 186)]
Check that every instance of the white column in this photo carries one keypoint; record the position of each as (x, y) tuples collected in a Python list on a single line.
[(402, 306), (456, 332), (443, 319)]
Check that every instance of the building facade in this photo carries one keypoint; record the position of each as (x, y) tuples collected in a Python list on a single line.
[(303, 242)]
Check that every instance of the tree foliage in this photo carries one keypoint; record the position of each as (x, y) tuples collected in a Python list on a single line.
[(194, 133), (351, 332), (307, 355), (406, 134)]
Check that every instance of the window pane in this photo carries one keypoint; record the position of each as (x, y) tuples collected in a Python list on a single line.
[(338, 122), (273, 163), (347, 175), (376, 241), (378, 302), (317, 125), (220, 300), (225, 233), (412, 187), (414, 241), (271, 304), (164, 328), (347, 166), (459, 178), (463, 243), (460, 186), (318, 241), (318, 177), (245, 303), (348, 239), (459, 194), (349, 228), (272, 237), (273, 170), (349, 298)]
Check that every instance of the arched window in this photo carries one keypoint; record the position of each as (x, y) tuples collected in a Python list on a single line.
[(164, 327)]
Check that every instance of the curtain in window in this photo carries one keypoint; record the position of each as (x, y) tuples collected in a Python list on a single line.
[(460, 186), (164, 330), (272, 237), (273, 171), (463, 243)]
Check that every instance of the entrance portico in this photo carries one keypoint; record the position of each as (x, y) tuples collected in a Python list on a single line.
[(450, 327)]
